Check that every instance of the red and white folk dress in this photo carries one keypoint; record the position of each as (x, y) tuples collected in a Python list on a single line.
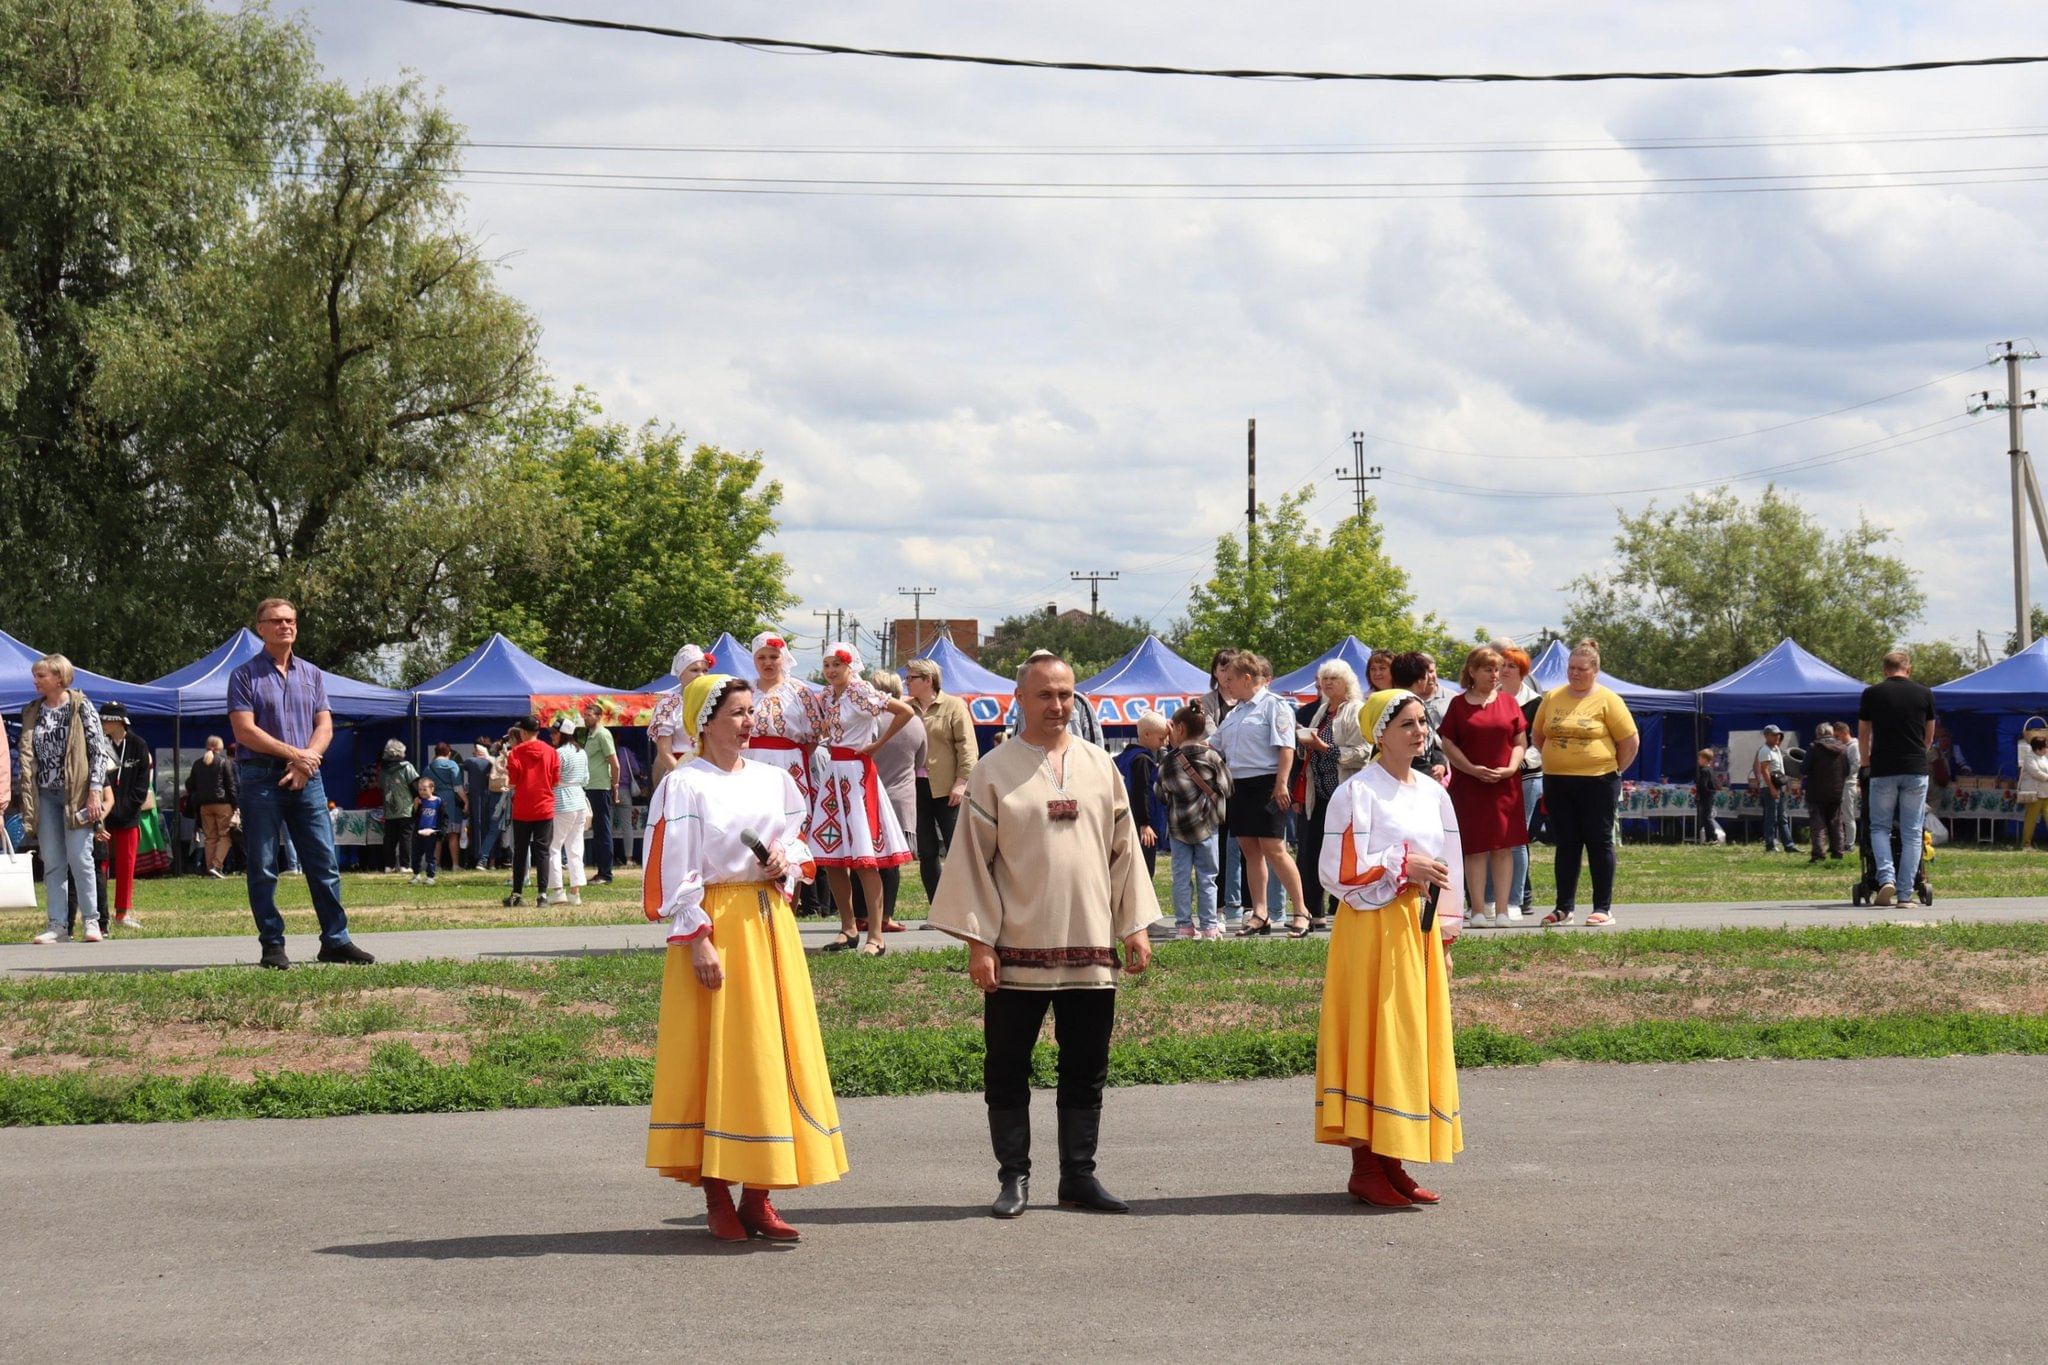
[(786, 726), (853, 825)]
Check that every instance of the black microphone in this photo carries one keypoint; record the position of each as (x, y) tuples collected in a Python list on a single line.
[(1429, 906), (755, 846)]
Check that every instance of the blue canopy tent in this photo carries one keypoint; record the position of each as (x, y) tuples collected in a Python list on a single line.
[(18, 690), (727, 656), (495, 681), (1990, 707), (1788, 687), (1150, 677), (202, 691), (1667, 747), (1302, 681)]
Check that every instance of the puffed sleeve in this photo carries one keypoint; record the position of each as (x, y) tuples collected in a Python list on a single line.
[(866, 697), (968, 904), (1360, 882), (1450, 906), (673, 885)]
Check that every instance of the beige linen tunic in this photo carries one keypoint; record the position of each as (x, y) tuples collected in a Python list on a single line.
[(1052, 897)]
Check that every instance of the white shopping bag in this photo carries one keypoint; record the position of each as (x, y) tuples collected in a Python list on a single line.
[(1937, 829), (17, 876)]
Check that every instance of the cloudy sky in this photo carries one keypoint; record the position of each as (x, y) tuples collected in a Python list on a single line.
[(982, 394)]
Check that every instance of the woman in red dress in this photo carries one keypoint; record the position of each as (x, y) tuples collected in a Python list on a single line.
[(1483, 735)]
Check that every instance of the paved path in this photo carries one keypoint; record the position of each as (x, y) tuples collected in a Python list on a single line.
[(1829, 1211), (175, 954)]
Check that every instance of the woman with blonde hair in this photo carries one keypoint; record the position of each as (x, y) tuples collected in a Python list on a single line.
[(1483, 735), (1334, 748), (64, 793), (1587, 737)]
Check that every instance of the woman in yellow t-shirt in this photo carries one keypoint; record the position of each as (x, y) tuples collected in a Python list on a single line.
[(1587, 737)]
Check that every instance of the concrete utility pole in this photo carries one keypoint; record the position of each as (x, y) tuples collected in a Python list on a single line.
[(1359, 475), (917, 596), (1094, 578), (2026, 489)]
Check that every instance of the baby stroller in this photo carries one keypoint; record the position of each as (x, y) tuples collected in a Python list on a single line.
[(1864, 892)]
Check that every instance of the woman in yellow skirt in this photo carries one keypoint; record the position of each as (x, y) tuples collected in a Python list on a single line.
[(741, 1093), (1386, 1076)]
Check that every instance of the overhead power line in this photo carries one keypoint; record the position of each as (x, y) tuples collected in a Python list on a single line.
[(1225, 73)]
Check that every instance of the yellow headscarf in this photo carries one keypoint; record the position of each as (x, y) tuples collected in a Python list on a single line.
[(702, 697), (1379, 709)]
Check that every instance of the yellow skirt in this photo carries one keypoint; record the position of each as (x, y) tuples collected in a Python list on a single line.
[(1386, 1075), (741, 1093)]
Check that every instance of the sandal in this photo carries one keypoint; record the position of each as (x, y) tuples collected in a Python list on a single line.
[(1300, 926), (874, 947), (841, 941), (1599, 917), (1248, 929), (1557, 917)]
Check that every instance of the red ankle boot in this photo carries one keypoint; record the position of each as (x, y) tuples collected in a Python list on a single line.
[(760, 1216), (1369, 1183), (719, 1218), (1405, 1183)]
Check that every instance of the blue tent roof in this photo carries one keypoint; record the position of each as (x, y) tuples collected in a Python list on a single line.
[(1350, 649), (17, 690), (728, 656), (1786, 679), (1150, 669), (1547, 670), (960, 674), (202, 685), (497, 678), (2019, 683)]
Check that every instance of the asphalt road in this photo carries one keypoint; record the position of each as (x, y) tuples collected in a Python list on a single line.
[(123, 953), (1828, 1211)]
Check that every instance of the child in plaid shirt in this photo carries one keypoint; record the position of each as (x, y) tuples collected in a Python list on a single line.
[(1195, 783)]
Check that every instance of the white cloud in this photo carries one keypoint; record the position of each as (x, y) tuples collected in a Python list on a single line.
[(991, 393)]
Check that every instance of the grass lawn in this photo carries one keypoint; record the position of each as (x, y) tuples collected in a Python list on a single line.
[(445, 1035), (188, 906)]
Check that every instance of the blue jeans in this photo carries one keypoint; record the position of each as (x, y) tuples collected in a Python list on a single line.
[(1194, 884), (268, 809), (1230, 889), (499, 806), (67, 863), (1778, 821), (1899, 802)]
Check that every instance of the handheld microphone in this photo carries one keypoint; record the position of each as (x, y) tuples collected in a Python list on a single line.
[(1429, 907), (755, 846)]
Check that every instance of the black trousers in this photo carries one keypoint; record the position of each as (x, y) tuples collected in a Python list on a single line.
[(1582, 821), (1081, 1024), (397, 842), (1825, 813), (935, 820), (601, 829), (530, 845), (1308, 858)]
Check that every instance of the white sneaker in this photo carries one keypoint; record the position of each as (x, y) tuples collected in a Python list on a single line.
[(1515, 916), (575, 898), (93, 934), (430, 881), (216, 874), (555, 898), (128, 921), (51, 936), (413, 880)]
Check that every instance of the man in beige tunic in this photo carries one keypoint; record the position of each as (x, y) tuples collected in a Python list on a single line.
[(1045, 877)]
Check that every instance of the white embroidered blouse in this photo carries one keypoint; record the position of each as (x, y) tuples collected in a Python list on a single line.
[(1372, 822), (695, 820)]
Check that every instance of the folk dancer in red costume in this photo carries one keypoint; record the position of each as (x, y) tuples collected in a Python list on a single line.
[(854, 829), (741, 1090)]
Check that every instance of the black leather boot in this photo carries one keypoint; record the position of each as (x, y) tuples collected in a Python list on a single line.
[(1079, 1189), (1009, 1132)]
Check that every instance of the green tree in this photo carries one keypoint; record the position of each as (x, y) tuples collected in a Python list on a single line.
[(312, 398), (1938, 661), (2039, 618), (1306, 593), (1090, 643), (132, 135), (1704, 587), (655, 542)]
